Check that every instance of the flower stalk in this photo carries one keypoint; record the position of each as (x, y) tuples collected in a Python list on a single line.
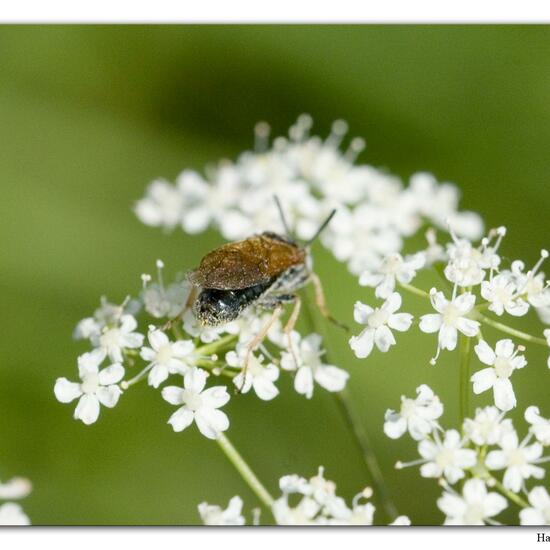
[(360, 435), (511, 331), (464, 375), (245, 471)]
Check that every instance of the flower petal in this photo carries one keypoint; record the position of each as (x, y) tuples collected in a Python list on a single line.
[(361, 312), (465, 302), (109, 395), (211, 422), (362, 345), (400, 321), (505, 348), (111, 375), (173, 394), (467, 326), (157, 339), (393, 303), (66, 391), (483, 380), (430, 323), (87, 409), (303, 382), (181, 419), (383, 337), (264, 388), (503, 392), (215, 397), (395, 428), (157, 375), (447, 337), (195, 379), (485, 353), (331, 378)]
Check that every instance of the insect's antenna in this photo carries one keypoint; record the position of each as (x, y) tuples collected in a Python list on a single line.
[(282, 214), (321, 227)]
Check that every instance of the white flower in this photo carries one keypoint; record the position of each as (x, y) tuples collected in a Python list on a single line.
[(96, 387), (165, 302), (249, 325), (12, 514), (434, 252), (319, 504), (115, 339), (502, 363), (162, 206), (467, 264), (446, 458), (378, 323), (439, 202), (258, 376), (17, 487), (87, 329), (302, 514), (306, 360), (401, 520), (518, 459), (487, 427), (360, 238), (216, 515), (465, 267), (501, 292), (540, 427), (393, 267), (418, 416), (539, 512), (198, 404), (360, 514), (202, 200), (451, 317), (106, 314), (474, 507), (532, 284), (166, 357)]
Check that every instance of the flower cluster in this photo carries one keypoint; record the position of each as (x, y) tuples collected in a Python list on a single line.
[(477, 281), (11, 513), (180, 348), (477, 284), (304, 502), (159, 336), (486, 447), (311, 175)]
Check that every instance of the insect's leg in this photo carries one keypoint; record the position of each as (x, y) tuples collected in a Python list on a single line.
[(257, 340), (188, 304), (291, 323), (322, 303)]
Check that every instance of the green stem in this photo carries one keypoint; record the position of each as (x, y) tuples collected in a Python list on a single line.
[(511, 331), (414, 290), (207, 349), (465, 345), (511, 496), (360, 435), (244, 469)]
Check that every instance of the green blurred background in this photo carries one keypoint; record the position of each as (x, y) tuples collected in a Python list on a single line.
[(90, 114)]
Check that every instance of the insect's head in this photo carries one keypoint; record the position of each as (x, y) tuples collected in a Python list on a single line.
[(289, 233)]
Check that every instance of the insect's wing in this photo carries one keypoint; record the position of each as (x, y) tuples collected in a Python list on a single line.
[(245, 263)]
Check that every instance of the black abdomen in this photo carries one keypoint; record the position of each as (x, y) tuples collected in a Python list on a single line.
[(216, 307)]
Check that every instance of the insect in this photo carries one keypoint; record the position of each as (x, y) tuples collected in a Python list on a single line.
[(263, 271)]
